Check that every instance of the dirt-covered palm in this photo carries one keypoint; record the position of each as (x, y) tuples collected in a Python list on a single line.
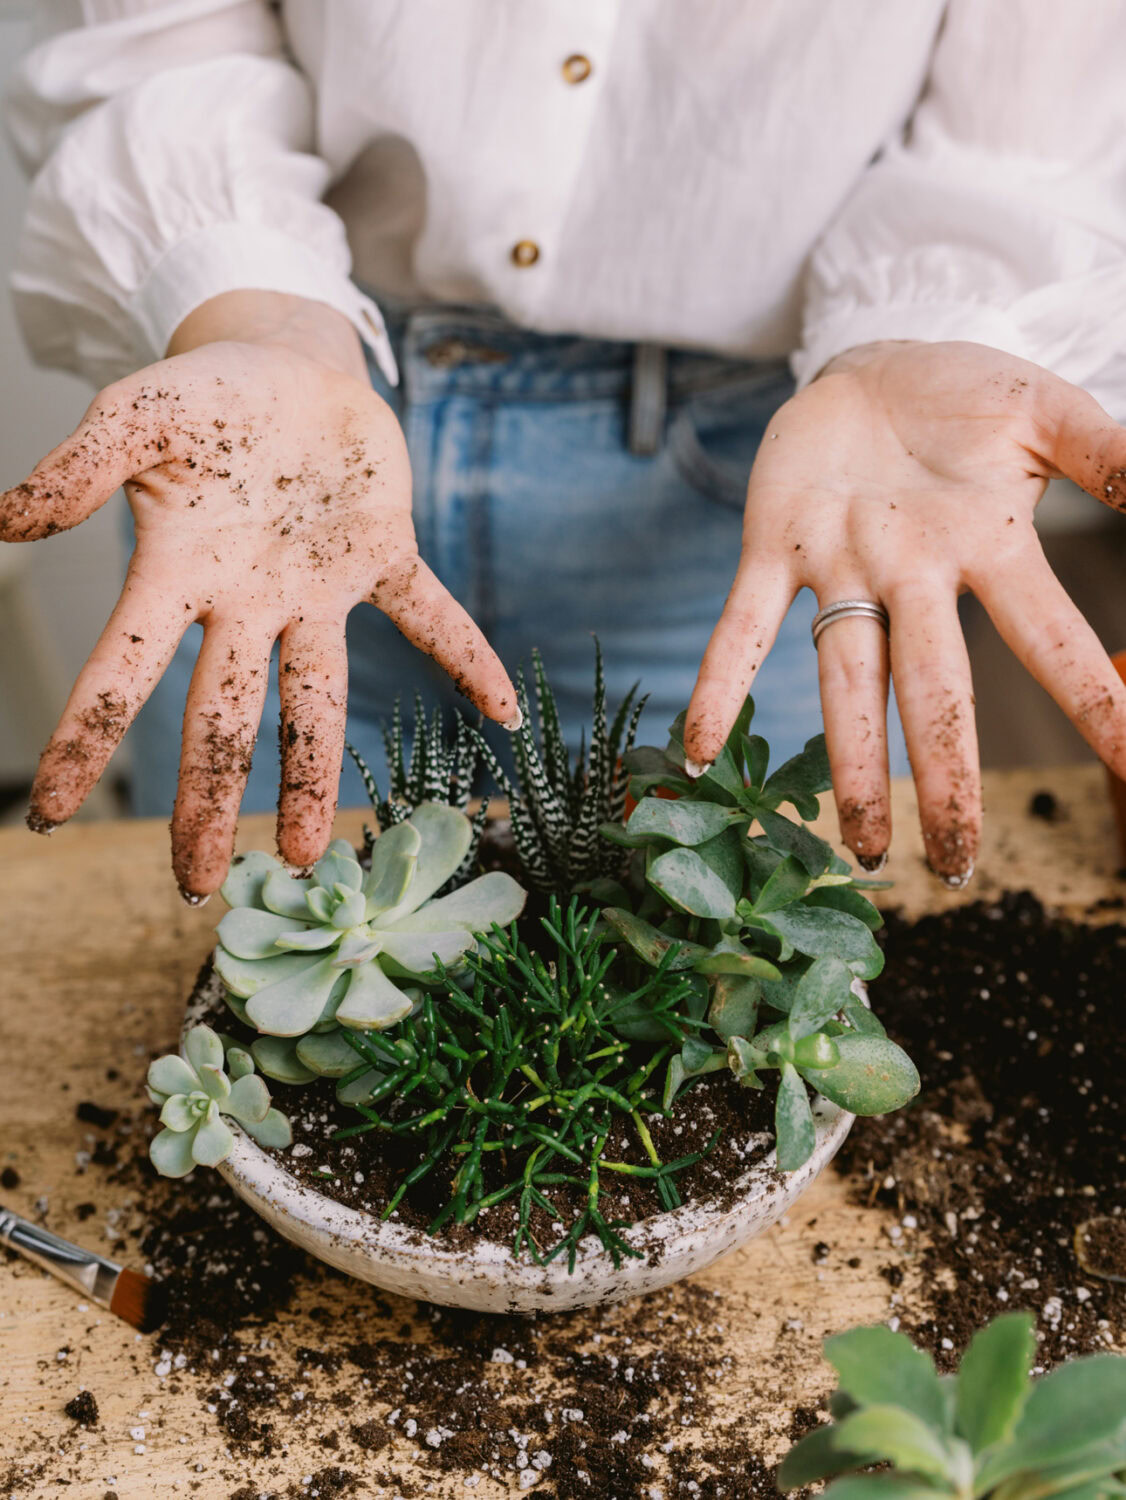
[(271, 494), (906, 474)]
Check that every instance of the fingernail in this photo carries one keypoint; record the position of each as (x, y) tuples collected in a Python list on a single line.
[(38, 823), (873, 863), (695, 769), (959, 879), (193, 898), (515, 723)]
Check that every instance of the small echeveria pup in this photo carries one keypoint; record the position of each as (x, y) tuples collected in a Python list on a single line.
[(334, 950), (988, 1431), (194, 1093)]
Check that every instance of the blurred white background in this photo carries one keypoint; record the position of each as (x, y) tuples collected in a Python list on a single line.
[(56, 595)]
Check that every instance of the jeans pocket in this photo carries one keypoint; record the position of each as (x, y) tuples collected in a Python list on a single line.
[(714, 436)]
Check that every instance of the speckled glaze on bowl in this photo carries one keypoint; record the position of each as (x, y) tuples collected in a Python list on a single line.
[(487, 1276)]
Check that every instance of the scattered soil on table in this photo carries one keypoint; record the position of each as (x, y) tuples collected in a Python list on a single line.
[(1014, 1018), (83, 1409), (608, 1403)]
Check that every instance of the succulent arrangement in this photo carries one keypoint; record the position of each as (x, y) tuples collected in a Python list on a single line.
[(195, 1091), (991, 1430), (693, 927)]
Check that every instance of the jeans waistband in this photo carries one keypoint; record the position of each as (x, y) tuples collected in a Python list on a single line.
[(444, 351)]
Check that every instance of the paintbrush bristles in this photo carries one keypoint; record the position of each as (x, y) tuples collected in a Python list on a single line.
[(139, 1300)]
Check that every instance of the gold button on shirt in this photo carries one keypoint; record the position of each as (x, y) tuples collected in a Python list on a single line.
[(525, 253), (577, 68)]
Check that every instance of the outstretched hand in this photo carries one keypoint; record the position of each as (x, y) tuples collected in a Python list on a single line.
[(271, 492), (906, 474)]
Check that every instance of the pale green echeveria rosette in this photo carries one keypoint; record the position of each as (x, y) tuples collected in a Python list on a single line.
[(195, 1092), (302, 958)]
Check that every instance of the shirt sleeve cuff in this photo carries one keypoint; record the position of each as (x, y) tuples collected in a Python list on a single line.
[(932, 322), (243, 257)]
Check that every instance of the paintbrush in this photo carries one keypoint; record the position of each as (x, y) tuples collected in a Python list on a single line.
[(137, 1299)]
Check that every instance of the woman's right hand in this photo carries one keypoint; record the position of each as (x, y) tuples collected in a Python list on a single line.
[(271, 492)]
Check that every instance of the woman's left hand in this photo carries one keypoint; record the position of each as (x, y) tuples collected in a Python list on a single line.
[(906, 474)]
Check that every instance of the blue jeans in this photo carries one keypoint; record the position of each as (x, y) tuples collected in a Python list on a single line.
[(563, 487)]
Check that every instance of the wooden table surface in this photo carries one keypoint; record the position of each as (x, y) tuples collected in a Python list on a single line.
[(99, 954)]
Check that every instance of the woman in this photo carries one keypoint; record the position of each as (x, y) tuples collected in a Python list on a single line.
[(594, 232)]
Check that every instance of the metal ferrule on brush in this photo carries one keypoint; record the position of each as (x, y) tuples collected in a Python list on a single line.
[(82, 1269)]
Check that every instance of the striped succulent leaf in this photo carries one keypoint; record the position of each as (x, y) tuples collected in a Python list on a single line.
[(441, 768)]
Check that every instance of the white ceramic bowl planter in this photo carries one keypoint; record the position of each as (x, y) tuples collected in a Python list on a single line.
[(487, 1276)]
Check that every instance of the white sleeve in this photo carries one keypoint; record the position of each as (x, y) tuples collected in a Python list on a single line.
[(171, 147), (1000, 216)]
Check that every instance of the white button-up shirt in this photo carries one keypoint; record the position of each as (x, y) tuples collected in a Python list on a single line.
[(766, 178)]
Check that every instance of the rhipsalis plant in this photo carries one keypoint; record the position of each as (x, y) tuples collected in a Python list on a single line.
[(307, 960), (558, 808), (988, 1431), (195, 1092), (442, 767), (773, 918), (513, 1079)]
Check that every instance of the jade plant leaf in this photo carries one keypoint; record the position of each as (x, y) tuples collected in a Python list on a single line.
[(873, 1076), (786, 884), (794, 1130), (823, 933), (792, 838), (734, 1006), (649, 942), (685, 823), (249, 1100), (170, 1152), (414, 954), (687, 882), (844, 898), (820, 993), (293, 1005), (801, 779)]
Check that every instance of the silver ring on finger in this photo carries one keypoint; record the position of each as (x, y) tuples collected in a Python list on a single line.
[(846, 609)]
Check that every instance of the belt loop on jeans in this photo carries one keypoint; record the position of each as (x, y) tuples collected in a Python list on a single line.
[(648, 399)]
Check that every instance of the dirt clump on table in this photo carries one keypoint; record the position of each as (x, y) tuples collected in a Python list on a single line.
[(1014, 1018), (83, 1409)]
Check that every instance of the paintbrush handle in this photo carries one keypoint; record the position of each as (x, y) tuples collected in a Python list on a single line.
[(81, 1269)]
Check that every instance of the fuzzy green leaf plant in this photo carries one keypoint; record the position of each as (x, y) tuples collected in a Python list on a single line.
[(989, 1431), (306, 960), (557, 807), (725, 885), (195, 1092)]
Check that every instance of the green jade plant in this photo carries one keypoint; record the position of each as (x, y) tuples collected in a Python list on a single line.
[(194, 1092), (989, 1431), (309, 961), (774, 920)]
